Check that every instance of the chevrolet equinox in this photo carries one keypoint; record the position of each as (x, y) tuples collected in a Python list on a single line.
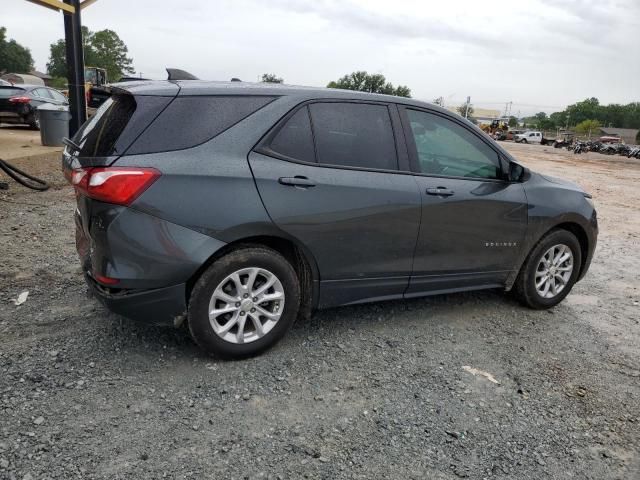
[(237, 207)]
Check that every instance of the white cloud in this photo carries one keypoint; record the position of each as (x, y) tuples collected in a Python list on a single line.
[(541, 54)]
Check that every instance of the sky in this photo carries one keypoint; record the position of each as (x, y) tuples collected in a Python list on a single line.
[(542, 55)]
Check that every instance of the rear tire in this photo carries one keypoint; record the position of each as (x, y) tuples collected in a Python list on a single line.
[(541, 284), (251, 321), (34, 121)]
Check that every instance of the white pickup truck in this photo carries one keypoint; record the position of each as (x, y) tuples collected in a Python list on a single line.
[(530, 136)]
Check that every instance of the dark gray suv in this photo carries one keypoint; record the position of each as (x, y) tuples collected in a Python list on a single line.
[(238, 207)]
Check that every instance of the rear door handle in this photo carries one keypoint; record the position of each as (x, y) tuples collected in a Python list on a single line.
[(440, 191), (297, 181)]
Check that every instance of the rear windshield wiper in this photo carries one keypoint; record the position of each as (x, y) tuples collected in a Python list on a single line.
[(70, 143)]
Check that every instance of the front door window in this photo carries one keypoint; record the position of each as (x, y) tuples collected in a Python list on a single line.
[(448, 149)]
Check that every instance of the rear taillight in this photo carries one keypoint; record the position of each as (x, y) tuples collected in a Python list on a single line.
[(19, 100), (119, 185), (104, 279)]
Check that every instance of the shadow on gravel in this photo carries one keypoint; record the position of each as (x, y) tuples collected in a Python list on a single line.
[(398, 315)]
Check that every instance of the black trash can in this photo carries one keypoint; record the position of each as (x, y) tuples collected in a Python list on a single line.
[(54, 124)]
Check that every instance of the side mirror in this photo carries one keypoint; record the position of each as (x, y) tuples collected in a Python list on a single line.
[(516, 172)]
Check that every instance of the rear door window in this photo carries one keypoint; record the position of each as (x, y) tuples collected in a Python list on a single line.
[(354, 135), (295, 140)]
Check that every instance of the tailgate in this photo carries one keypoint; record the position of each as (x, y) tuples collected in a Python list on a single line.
[(6, 92)]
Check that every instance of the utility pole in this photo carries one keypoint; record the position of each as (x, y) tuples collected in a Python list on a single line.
[(466, 110), (75, 67)]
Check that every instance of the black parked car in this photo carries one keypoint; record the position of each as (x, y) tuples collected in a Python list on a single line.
[(19, 103), (239, 207)]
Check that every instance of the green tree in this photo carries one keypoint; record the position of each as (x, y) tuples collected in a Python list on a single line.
[(271, 78), (588, 126), (513, 121), (102, 49), (614, 115), (57, 65), (372, 83), (59, 82), (111, 54), (402, 91), (462, 109), (585, 110), (14, 58), (543, 122), (559, 119)]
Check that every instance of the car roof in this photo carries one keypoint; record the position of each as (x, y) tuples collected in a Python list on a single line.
[(202, 87)]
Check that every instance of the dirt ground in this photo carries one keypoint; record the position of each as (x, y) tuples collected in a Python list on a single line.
[(20, 140), (372, 391)]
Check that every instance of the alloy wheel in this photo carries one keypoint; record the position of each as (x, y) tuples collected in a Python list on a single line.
[(246, 305), (554, 271)]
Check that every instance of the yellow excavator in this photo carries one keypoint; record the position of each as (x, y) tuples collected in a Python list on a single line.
[(93, 77), (497, 129)]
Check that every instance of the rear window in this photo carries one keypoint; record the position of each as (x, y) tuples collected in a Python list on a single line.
[(354, 135), (6, 92), (117, 123), (190, 121)]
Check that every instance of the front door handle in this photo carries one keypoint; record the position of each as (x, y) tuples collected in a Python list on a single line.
[(297, 181), (440, 191)]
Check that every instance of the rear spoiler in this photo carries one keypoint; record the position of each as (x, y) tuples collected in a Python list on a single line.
[(98, 95)]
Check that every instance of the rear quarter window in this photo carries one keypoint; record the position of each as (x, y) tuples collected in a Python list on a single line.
[(192, 120), (295, 139), (117, 123)]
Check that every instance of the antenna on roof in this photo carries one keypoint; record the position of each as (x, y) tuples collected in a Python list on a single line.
[(177, 74)]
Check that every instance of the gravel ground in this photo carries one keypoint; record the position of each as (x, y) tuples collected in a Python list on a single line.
[(375, 391)]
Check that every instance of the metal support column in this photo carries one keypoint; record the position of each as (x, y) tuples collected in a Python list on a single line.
[(75, 67)]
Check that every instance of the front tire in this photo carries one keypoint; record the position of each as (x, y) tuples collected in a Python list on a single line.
[(244, 303), (550, 271)]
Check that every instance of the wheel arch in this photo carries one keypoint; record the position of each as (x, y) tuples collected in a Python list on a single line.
[(581, 234), (300, 258), (568, 225)]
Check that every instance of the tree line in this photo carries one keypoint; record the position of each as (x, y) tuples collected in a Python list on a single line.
[(613, 115)]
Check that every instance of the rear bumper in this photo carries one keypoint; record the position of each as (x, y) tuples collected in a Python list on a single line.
[(159, 306), (150, 259)]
